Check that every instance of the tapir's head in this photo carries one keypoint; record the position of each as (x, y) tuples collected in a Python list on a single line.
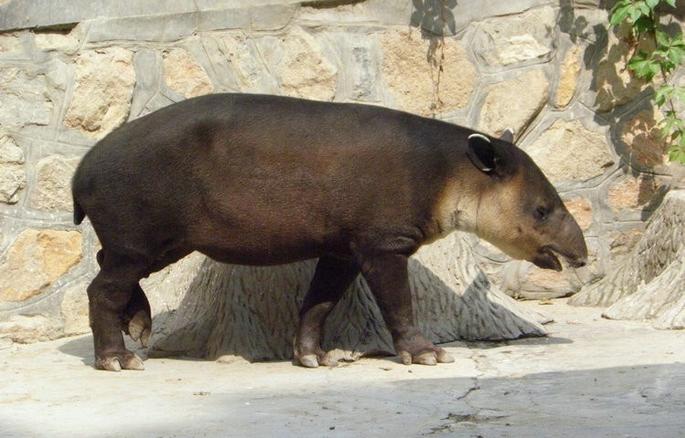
[(516, 207)]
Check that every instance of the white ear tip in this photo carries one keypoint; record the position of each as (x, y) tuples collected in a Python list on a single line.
[(477, 135), (510, 130)]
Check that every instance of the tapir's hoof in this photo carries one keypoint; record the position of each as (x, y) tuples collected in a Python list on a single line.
[(119, 361), (309, 361), (108, 364), (329, 359), (431, 357), (443, 356), (139, 327)]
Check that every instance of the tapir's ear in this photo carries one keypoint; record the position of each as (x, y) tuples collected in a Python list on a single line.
[(482, 153), (507, 135)]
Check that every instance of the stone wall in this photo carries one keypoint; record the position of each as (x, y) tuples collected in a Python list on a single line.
[(72, 70)]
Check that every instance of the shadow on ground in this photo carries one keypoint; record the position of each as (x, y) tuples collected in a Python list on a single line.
[(82, 347), (635, 401)]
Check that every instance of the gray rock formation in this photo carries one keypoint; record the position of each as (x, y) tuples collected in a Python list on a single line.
[(253, 311), (650, 283)]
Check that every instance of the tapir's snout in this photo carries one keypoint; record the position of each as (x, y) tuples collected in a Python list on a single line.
[(567, 242), (578, 263)]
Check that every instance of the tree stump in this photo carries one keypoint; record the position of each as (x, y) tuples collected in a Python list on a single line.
[(650, 284), (253, 311)]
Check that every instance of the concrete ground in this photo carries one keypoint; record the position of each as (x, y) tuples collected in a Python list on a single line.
[(590, 378)]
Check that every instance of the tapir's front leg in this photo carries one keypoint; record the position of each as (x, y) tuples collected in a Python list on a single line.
[(388, 279)]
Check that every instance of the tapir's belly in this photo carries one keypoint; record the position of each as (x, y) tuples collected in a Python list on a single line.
[(248, 236), (259, 256)]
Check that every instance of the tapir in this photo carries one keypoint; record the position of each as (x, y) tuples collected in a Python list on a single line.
[(266, 180)]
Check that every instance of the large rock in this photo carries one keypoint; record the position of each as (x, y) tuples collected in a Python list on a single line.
[(36, 259), (253, 311), (294, 64), (303, 70), (102, 96), (74, 309), (641, 135), (52, 191), (51, 41), (12, 174), (581, 209), (537, 283), (242, 54), (166, 289), (648, 284), (568, 77), (183, 74), (567, 151), (661, 300), (516, 39), (612, 80), (423, 75), (632, 192), (31, 328), (24, 98), (10, 44), (514, 103), (622, 242)]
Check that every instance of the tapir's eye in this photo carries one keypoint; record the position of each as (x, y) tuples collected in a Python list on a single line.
[(541, 213)]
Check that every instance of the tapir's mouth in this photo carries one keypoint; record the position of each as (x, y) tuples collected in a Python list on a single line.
[(547, 257)]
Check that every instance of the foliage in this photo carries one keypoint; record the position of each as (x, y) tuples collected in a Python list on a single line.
[(656, 64)]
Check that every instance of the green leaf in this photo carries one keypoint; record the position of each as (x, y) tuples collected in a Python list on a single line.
[(643, 24), (642, 8), (666, 66), (663, 39), (677, 154), (643, 66), (675, 54), (663, 94), (635, 12), (620, 12), (671, 3), (678, 41), (671, 124), (652, 3)]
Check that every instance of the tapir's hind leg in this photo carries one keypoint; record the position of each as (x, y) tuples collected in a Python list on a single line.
[(109, 296), (332, 277), (136, 320)]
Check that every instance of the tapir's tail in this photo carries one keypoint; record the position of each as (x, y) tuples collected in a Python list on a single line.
[(79, 214)]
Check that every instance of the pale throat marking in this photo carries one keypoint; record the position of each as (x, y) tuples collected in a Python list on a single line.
[(457, 211)]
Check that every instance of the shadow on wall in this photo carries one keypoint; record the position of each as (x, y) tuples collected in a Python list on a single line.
[(623, 101), (617, 89), (434, 17)]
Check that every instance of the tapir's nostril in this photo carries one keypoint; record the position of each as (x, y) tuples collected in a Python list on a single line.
[(579, 263)]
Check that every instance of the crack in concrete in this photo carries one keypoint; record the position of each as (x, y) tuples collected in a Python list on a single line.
[(474, 387), (453, 420)]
